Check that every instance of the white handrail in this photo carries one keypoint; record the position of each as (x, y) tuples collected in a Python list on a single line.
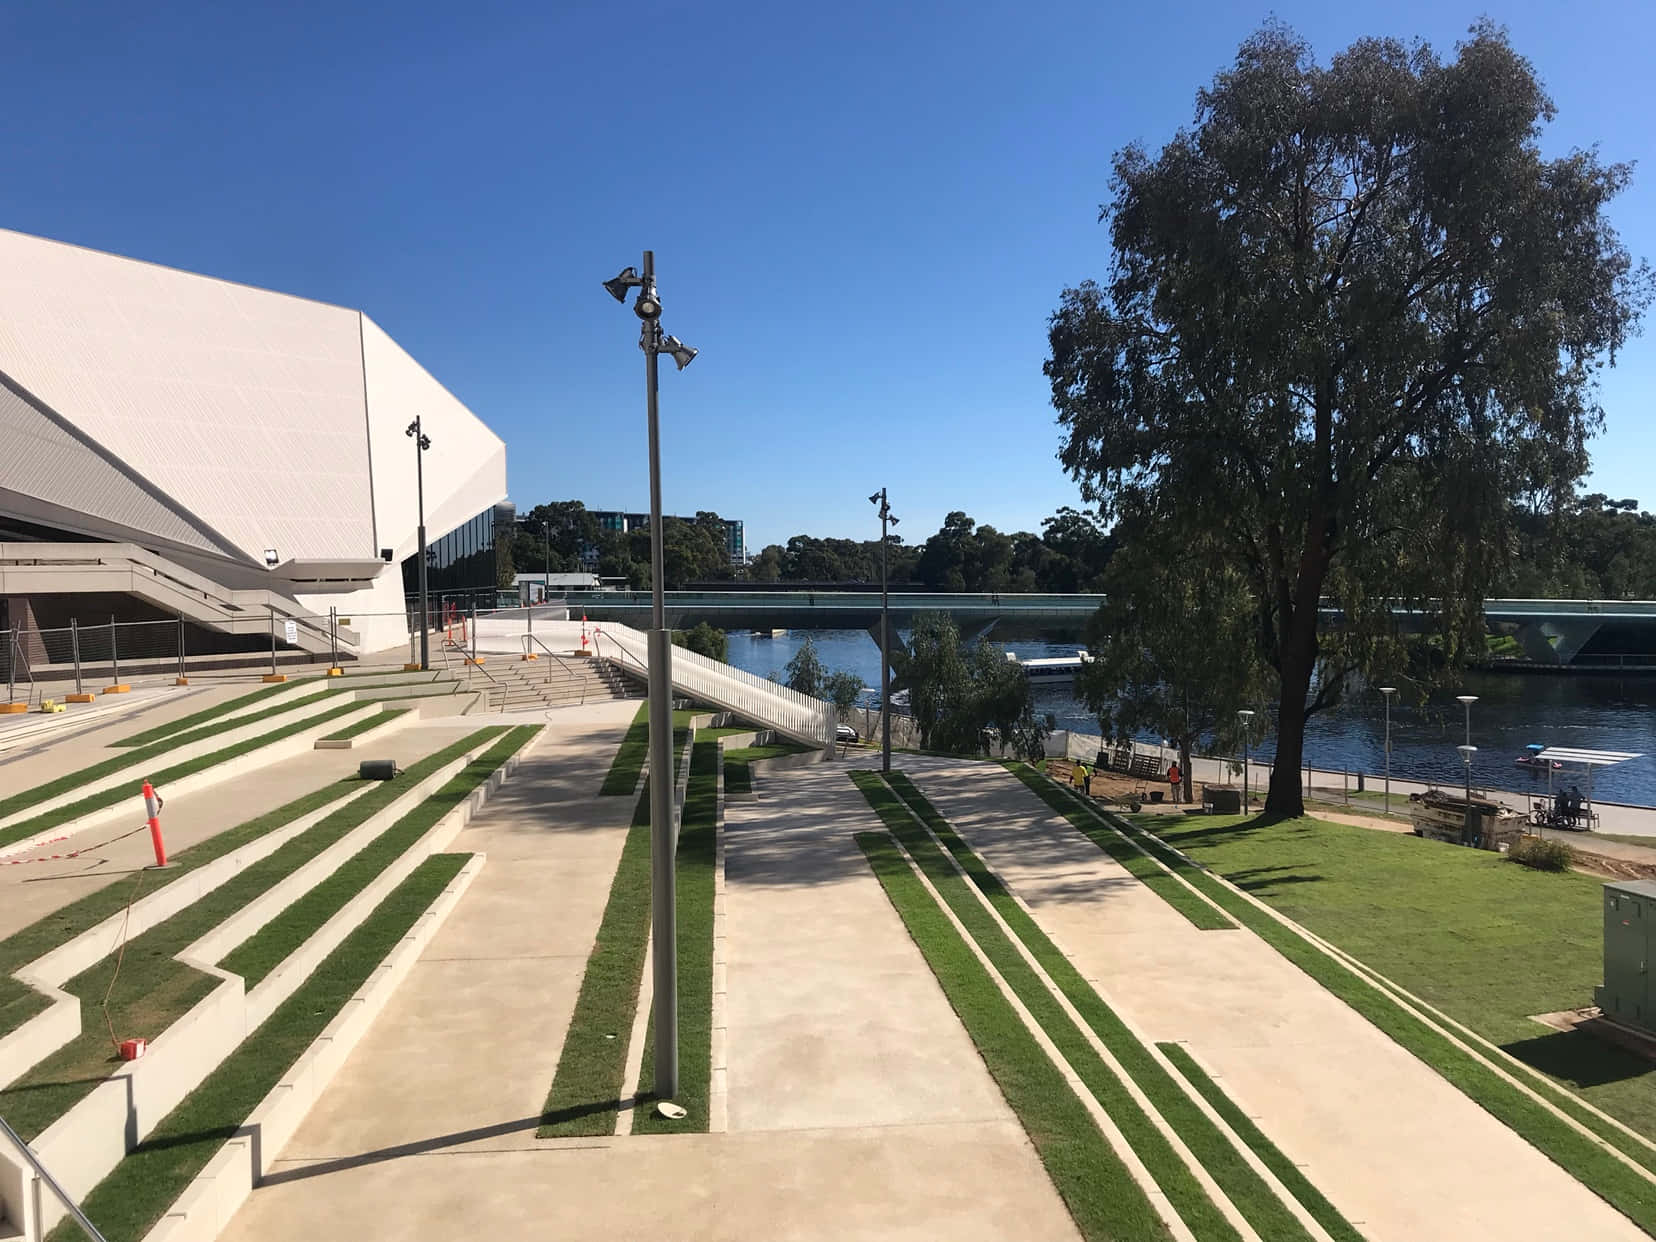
[(51, 1182)]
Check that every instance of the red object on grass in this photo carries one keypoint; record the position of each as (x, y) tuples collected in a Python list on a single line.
[(152, 808), (132, 1049)]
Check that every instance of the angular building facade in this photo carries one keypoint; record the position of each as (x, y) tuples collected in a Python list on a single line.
[(204, 449)]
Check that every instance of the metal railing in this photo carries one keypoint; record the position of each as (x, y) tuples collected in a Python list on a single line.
[(575, 667), (43, 1176)]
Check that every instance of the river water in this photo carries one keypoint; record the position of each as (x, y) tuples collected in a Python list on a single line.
[(1513, 709)]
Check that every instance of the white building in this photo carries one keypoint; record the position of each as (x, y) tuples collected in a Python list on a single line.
[(175, 444)]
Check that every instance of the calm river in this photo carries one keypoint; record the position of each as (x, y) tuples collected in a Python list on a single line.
[(1513, 709)]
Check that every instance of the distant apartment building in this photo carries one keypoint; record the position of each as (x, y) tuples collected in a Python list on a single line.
[(611, 520)]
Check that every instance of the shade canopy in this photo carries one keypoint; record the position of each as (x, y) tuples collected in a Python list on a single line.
[(1588, 758)]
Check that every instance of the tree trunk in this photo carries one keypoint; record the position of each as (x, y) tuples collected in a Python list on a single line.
[(1286, 797), (1184, 768)]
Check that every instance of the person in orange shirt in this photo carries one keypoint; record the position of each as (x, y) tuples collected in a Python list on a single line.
[(1174, 778)]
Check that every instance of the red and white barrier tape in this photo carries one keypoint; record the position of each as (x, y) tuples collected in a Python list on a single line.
[(85, 849)]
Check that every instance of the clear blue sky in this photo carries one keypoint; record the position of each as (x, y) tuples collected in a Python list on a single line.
[(862, 213)]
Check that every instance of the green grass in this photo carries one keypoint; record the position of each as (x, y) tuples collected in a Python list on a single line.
[(1251, 1195), (1587, 839), (622, 777), (738, 763), (1103, 1198), (1183, 1191), (111, 797), (585, 1096), (273, 943), (18, 1001), (154, 987), (357, 727), (694, 872), (1483, 940), (127, 1203), (1075, 809), (1270, 1155), (185, 723)]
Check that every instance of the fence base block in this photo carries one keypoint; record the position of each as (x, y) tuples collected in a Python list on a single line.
[(13, 709), (336, 672), (529, 655), (181, 681), (478, 660), (272, 678), (123, 688), (411, 668), (80, 698)]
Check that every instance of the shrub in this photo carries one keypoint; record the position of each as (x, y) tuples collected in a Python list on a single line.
[(1542, 854)]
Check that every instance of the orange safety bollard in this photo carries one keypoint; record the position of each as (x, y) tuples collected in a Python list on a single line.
[(152, 808)]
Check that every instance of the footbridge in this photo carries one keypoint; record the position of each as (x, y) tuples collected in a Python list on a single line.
[(1574, 633)]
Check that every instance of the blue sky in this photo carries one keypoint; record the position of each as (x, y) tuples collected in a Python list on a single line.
[(862, 213)]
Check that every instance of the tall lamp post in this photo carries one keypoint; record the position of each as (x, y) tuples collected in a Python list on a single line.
[(1247, 728), (1388, 691), (1466, 752), (422, 443), (663, 838), (887, 518)]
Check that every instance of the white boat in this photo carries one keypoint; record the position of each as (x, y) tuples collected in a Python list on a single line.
[(1051, 670)]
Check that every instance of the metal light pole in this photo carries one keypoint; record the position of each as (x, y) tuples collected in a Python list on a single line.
[(663, 837), (1388, 691), (1466, 701), (422, 442), (1247, 723), (887, 518), (1466, 753)]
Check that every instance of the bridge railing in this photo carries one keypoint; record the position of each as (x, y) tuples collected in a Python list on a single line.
[(757, 698)]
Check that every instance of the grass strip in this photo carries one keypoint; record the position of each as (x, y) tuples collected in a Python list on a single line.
[(585, 1096), (1251, 1194), (1625, 1189), (1169, 1170), (694, 871), (110, 797), (739, 763), (358, 727), (1286, 1171), (155, 988), (1153, 877), (622, 777), (185, 723), (138, 1192), (61, 926), (273, 943), (1105, 1201)]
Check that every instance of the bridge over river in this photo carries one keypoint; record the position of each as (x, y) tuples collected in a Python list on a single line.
[(1575, 633)]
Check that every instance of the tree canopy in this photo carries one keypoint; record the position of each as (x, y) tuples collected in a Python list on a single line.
[(1353, 316)]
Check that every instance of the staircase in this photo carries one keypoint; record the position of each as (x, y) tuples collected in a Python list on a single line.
[(551, 681)]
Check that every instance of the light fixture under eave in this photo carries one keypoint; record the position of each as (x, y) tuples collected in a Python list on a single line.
[(682, 353), (271, 559)]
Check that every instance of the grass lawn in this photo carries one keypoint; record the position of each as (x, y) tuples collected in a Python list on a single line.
[(358, 727), (127, 1203), (272, 944), (694, 871), (622, 777), (738, 763), (586, 1087), (110, 797), (154, 988), (1392, 900), (1103, 1198), (185, 723), (1075, 809), (1253, 1197)]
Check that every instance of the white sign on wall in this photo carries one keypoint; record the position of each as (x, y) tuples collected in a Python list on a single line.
[(290, 632)]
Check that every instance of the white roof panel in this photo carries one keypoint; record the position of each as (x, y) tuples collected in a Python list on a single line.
[(1588, 758)]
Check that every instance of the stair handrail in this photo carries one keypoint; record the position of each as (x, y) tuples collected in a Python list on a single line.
[(45, 1175), (563, 663), (471, 664)]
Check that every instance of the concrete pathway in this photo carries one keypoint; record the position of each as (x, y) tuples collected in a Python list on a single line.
[(31, 890), (858, 1107), (1403, 1154)]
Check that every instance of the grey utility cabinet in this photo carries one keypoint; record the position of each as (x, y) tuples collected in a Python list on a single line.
[(1629, 941)]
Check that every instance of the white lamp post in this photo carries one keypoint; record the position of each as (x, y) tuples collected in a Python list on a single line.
[(1388, 691), (1247, 722)]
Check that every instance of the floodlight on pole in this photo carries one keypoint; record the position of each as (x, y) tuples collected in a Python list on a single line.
[(887, 519), (422, 443), (1388, 691), (1246, 717), (663, 837)]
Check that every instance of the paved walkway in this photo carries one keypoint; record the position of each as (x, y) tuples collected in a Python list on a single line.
[(1403, 1154), (30, 890), (858, 1108)]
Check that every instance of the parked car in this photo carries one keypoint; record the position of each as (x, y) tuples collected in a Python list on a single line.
[(845, 733)]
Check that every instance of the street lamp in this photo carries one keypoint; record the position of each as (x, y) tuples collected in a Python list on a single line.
[(663, 898), (1388, 691), (422, 443), (887, 518), (1466, 701), (1468, 832), (1247, 721)]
